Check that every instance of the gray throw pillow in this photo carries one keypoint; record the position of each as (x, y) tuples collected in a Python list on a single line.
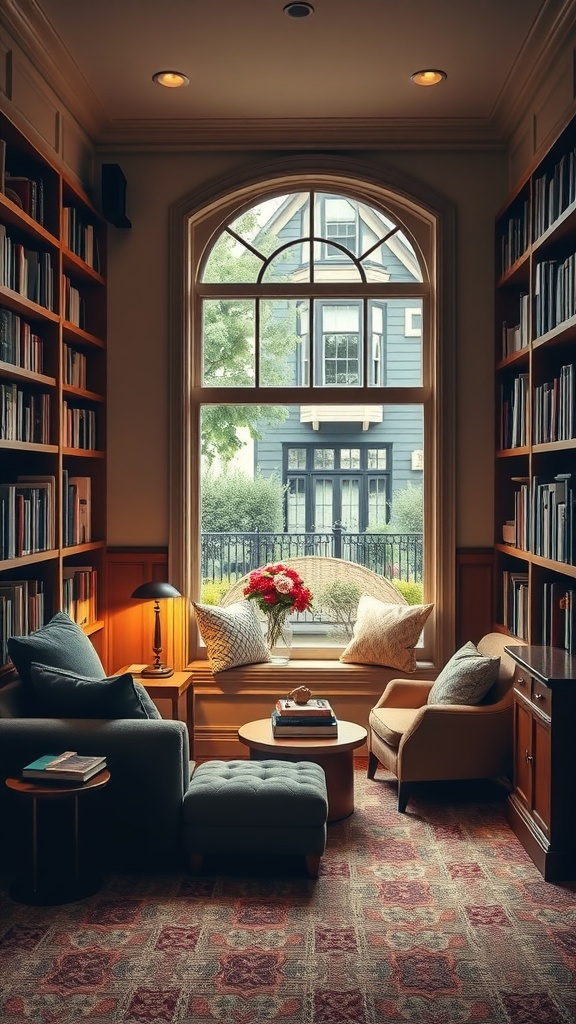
[(61, 644), (466, 678), (62, 694)]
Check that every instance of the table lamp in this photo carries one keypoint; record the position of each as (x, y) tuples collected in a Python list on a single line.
[(156, 591)]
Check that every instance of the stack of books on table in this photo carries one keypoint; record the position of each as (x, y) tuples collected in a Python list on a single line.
[(312, 720), (66, 767)]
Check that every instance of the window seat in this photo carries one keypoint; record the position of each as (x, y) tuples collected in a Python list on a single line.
[(227, 700)]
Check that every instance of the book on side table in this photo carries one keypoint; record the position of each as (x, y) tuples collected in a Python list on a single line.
[(304, 726), (315, 707), (66, 767)]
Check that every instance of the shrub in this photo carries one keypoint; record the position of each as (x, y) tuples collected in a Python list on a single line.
[(233, 502), (340, 600), (213, 591), (409, 589)]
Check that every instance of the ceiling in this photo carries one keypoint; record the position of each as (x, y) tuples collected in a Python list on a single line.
[(259, 77)]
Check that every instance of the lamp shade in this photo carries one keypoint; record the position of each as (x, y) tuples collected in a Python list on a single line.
[(156, 590)]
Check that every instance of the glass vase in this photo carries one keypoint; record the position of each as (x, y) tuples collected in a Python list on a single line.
[(279, 637)]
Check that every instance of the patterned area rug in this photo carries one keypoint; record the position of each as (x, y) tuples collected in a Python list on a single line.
[(436, 916)]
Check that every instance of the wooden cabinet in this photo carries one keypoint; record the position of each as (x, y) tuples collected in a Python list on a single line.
[(540, 806), (535, 478), (52, 395)]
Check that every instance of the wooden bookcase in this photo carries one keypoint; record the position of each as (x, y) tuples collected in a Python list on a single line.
[(535, 478), (52, 395)]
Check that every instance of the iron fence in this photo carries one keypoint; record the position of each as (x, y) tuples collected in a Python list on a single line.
[(228, 556)]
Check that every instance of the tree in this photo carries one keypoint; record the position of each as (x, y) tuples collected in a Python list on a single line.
[(233, 502), (228, 348)]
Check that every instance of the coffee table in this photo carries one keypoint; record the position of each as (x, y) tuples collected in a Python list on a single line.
[(335, 755)]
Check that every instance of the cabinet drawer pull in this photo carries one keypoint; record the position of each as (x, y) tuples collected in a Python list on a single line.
[(521, 681), (539, 696), (529, 757)]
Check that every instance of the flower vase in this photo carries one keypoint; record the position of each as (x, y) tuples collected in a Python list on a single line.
[(279, 637)]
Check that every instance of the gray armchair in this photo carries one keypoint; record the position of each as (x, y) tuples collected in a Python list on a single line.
[(149, 763)]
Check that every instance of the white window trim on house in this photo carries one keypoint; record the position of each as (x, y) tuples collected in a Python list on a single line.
[(428, 219), (412, 322)]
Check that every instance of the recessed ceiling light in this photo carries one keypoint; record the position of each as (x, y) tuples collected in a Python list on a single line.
[(298, 10), (431, 76), (170, 79)]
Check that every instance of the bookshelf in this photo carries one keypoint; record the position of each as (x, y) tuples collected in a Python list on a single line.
[(535, 492), (52, 395), (535, 478)]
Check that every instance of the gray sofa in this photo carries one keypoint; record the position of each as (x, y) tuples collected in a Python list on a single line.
[(140, 810)]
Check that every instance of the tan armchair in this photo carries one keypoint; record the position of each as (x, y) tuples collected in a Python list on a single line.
[(420, 742)]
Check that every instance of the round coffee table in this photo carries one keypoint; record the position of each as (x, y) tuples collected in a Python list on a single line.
[(36, 889), (335, 755)]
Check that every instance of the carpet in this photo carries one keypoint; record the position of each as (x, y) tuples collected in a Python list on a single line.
[(437, 916)]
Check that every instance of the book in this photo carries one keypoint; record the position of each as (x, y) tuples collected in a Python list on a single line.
[(66, 767), (304, 728), (318, 707), (82, 510)]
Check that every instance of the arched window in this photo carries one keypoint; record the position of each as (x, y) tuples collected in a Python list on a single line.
[(307, 382)]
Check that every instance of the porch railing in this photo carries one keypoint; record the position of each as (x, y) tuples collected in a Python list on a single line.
[(231, 555)]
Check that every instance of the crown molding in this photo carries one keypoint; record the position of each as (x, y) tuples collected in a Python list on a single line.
[(33, 33), (301, 133)]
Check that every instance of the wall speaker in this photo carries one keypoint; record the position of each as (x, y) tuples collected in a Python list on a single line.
[(113, 184)]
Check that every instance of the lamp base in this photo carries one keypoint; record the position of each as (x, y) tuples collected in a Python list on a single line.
[(156, 672)]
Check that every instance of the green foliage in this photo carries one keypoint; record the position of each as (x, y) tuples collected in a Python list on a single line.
[(407, 512), (410, 589), (340, 599), (213, 591), (233, 502)]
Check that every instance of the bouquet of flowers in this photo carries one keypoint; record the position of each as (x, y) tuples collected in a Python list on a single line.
[(277, 590)]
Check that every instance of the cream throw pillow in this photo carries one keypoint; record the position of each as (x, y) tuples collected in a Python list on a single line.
[(233, 635), (466, 678), (385, 634)]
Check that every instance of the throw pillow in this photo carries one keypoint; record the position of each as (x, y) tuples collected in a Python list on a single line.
[(63, 694), (386, 634), (60, 643), (233, 635), (466, 678)]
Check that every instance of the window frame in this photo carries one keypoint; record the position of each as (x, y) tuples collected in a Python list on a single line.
[(429, 222)]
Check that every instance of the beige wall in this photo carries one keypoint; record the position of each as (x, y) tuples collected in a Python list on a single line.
[(138, 328)]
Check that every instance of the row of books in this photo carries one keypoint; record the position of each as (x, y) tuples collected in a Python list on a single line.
[(26, 271), (515, 603), (24, 415), (554, 192), (22, 610), (74, 305), (80, 236), (74, 367), (313, 720), (517, 336), (26, 193), (514, 412), (27, 518), (19, 344), (554, 293), (79, 427), (559, 617), (554, 418), (545, 518), (515, 237), (76, 509), (67, 767), (80, 594)]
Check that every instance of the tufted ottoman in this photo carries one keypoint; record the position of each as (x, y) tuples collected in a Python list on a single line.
[(264, 807)]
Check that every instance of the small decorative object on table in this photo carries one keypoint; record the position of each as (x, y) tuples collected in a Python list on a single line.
[(278, 590)]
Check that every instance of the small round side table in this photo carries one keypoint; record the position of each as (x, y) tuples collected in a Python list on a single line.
[(33, 889)]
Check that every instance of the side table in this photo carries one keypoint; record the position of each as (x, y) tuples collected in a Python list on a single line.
[(36, 890), (177, 688)]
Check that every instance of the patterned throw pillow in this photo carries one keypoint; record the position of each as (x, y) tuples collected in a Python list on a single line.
[(386, 634), (466, 678), (233, 635)]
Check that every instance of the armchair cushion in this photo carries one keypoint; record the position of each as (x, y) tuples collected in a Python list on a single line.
[(386, 634), (61, 644), (466, 678), (391, 723), (233, 635), (63, 694)]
